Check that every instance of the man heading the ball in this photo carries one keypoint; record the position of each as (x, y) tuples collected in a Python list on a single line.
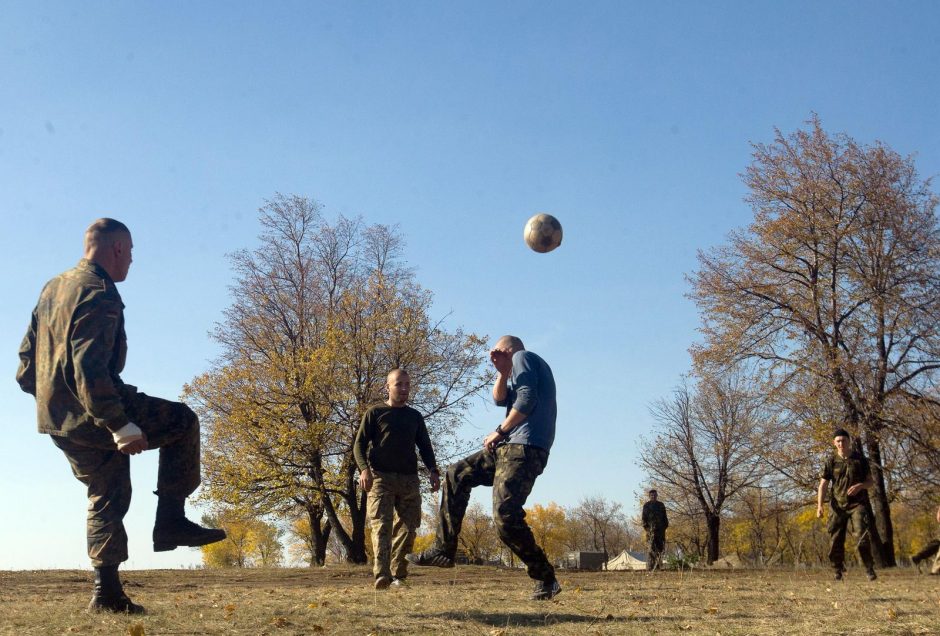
[(513, 456)]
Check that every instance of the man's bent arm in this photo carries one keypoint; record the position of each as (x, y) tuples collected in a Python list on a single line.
[(94, 331), (500, 389)]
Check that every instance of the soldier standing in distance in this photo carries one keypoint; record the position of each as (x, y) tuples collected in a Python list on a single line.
[(655, 523), (385, 453), (848, 472), (71, 360), (513, 456)]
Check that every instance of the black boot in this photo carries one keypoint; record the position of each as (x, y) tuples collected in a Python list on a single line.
[(172, 529), (929, 550), (109, 594)]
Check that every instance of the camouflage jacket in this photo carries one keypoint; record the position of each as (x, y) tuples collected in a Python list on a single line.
[(843, 473), (74, 351)]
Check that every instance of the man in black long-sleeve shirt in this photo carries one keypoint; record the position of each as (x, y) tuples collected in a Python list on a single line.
[(385, 453), (655, 523)]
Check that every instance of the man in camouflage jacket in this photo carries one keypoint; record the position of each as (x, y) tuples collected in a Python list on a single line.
[(70, 360), (848, 472)]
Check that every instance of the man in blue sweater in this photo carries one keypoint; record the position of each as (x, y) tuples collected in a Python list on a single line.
[(513, 456)]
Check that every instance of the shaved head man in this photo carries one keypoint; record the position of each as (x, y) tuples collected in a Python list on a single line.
[(384, 450), (513, 456), (71, 361)]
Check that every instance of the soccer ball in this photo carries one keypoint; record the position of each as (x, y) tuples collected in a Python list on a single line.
[(542, 233)]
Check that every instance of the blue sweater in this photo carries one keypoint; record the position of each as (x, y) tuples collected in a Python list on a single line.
[(531, 390)]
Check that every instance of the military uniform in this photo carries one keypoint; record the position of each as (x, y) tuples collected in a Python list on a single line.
[(842, 473), (655, 523), (70, 360), (931, 550), (385, 443)]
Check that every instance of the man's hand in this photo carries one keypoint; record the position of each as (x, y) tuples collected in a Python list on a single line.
[(854, 489), (435, 481), (365, 480), (502, 360), (129, 439), (491, 440), (134, 445), (819, 511)]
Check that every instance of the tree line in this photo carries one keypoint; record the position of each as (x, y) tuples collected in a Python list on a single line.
[(822, 313)]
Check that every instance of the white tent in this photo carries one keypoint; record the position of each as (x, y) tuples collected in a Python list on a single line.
[(627, 561), (730, 562)]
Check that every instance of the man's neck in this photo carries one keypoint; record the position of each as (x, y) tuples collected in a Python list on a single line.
[(108, 267)]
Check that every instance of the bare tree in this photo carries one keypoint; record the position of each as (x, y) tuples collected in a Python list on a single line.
[(703, 449), (601, 523), (320, 313), (834, 285)]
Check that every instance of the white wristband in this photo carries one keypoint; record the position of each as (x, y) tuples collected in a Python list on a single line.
[(126, 434)]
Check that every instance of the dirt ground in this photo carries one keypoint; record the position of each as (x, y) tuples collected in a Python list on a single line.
[(477, 600)]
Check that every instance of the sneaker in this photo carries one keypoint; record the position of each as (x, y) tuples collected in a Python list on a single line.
[(545, 590), (838, 576), (431, 556), (383, 582), (397, 582), (871, 575)]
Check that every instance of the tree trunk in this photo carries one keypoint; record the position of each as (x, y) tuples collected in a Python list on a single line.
[(357, 517), (883, 530), (712, 525), (353, 555), (319, 534)]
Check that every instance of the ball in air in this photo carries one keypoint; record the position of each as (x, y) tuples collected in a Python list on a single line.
[(542, 233)]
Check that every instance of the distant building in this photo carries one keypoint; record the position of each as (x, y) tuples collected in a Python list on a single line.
[(583, 561)]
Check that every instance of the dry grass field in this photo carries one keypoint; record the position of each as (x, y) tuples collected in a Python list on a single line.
[(478, 600)]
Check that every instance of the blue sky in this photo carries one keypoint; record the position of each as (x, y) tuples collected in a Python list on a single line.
[(629, 121)]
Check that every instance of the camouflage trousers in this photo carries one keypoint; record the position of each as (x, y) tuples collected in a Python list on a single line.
[(932, 549), (511, 470), (170, 426), (394, 507), (837, 526), (655, 545)]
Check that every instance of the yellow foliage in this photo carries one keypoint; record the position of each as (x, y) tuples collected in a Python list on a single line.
[(549, 528), (249, 542)]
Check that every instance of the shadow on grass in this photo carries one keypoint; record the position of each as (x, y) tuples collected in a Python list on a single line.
[(542, 619)]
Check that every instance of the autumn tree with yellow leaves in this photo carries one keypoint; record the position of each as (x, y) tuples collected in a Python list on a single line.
[(321, 312), (249, 542), (834, 288)]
